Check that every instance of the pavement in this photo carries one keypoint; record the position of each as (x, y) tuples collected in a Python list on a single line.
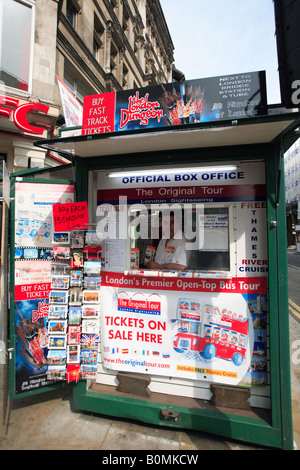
[(48, 422)]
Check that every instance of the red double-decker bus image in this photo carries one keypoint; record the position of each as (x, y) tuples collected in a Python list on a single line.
[(211, 333)]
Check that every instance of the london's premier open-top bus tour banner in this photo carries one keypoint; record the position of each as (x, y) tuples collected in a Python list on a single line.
[(177, 103)]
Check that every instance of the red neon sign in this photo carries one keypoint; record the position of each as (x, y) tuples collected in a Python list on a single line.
[(19, 114)]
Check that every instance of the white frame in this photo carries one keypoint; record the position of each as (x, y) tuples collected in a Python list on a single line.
[(92, 205)]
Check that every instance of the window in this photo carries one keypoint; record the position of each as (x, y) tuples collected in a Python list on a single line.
[(206, 252), (16, 33), (75, 85), (2, 159), (71, 13), (125, 78), (125, 23), (98, 39), (113, 57), (165, 205), (214, 254)]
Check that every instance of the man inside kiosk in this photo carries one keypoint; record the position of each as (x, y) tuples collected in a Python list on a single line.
[(171, 249)]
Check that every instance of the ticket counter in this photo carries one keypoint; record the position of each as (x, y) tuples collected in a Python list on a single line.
[(197, 339)]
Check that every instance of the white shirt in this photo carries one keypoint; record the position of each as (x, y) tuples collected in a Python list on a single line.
[(174, 252)]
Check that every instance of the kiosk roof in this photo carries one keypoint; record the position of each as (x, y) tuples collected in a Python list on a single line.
[(246, 131)]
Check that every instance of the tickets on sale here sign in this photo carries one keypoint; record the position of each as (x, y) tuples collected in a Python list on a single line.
[(70, 216), (199, 329)]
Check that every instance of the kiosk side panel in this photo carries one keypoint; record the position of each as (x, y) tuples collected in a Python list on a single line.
[(31, 252)]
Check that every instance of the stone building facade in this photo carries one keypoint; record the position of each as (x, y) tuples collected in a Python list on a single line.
[(93, 46)]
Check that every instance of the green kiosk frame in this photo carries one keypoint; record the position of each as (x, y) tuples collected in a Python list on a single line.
[(261, 138)]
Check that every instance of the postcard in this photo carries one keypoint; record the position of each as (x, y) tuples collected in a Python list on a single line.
[(90, 326), (89, 356), (73, 354), (91, 296), (60, 282), (56, 372), (92, 252), (76, 238), (61, 238), (91, 238), (60, 253), (73, 372), (58, 297), (58, 311), (92, 267), (88, 371), (57, 356), (76, 258), (91, 282), (57, 327), (74, 332), (89, 311), (57, 341), (90, 341), (75, 277), (60, 268), (75, 296), (75, 315)]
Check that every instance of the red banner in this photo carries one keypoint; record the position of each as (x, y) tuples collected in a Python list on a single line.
[(32, 291), (99, 113), (189, 193), (239, 285)]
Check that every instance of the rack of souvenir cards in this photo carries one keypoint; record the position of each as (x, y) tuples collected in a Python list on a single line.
[(74, 306)]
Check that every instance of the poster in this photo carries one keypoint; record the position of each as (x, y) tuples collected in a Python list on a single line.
[(33, 211), (178, 103), (196, 329), (71, 106), (32, 286)]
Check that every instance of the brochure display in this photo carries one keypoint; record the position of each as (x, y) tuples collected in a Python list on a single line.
[(33, 237), (57, 282), (184, 326)]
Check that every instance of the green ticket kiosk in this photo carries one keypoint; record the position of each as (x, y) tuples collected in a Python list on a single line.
[(187, 328)]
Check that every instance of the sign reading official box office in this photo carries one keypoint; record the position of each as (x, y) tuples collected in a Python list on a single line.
[(70, 216)]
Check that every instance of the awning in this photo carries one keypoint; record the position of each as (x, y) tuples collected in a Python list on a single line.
[(246, 131)]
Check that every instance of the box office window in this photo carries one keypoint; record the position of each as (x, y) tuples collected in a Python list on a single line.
[(129, 218), (205, 231)]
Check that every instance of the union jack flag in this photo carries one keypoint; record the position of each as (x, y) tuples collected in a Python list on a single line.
[(90, 340)]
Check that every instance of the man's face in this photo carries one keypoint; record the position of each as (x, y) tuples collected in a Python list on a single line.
[(168, 225)]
